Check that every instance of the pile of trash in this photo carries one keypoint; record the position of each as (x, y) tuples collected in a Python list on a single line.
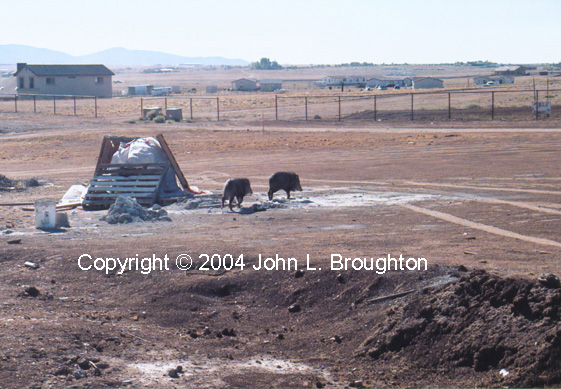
[(507, 329), (127, 210)]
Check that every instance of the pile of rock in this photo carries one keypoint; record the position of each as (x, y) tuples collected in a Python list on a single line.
[(127, 210)]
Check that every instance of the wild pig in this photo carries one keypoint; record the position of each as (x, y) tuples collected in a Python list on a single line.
[(283, 180), (238, 188)]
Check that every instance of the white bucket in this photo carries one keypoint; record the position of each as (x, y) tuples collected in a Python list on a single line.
[(45, 214)]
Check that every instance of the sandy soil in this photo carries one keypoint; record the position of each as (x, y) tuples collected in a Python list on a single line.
[(467, 199)]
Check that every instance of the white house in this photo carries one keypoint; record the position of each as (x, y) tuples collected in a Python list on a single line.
[(427, 83), (76, 80), (343, 80), (501, 80)]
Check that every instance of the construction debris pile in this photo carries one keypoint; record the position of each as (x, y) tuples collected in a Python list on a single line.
[(507, 329), (127, 210)]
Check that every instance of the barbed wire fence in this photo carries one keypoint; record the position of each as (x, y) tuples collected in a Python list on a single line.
[(56, 104), (464, 105)]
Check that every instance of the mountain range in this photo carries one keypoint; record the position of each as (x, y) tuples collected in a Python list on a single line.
[(117, 56)]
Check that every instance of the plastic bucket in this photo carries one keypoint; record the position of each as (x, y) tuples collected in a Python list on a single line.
[(45, 214)]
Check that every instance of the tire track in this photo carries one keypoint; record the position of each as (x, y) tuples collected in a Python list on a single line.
[(479, 226)]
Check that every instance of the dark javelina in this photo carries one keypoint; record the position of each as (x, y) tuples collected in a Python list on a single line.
[(283, 180), (238, 188)]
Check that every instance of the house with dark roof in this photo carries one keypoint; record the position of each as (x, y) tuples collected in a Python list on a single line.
[(75, 80), (516, 70), (427, 83), (270, 85), (244, 84)]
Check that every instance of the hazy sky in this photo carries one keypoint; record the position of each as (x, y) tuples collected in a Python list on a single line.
[(295, 31)]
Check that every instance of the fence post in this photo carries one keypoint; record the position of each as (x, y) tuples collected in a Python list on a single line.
[(54, 105), (339, 108), (165, 104), (306, 104), (95, 101), (412, 117), (191, 106), (375, 109), (276, 108), (16, 102), (217, 109), (537, 104), (141, 107), (492, 105), (34, 104), (449, 106), (74, 105)]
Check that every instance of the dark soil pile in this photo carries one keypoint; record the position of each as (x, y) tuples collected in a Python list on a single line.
[(483, 323), (6, 182)]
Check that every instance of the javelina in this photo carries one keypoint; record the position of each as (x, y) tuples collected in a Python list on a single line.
[(238, 188), (283, 180)]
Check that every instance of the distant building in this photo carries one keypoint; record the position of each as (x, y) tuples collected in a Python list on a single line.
[(501, 80), (76, 80), (427, 83), (211, 89), (270, 85), (388, 82), (511, 70), (244, 84), (344, 80), (140, 90)]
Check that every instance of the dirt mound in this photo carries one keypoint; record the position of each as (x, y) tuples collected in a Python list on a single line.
[(127, 210), (508, 328)]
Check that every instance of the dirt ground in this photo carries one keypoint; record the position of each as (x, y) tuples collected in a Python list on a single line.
[(479, 201)]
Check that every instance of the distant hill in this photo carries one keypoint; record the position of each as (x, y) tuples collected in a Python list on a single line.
[(11, 54)]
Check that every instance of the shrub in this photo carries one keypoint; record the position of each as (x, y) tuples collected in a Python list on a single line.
[(473, 106), (317, 117), (151, 114), (160, 119)]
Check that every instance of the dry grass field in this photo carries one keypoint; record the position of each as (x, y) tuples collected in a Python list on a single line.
[(479, 200)]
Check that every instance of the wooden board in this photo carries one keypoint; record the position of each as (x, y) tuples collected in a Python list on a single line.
[(140, 181), (173, 162)]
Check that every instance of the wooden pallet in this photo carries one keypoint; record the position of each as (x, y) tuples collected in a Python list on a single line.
[(141, 181)]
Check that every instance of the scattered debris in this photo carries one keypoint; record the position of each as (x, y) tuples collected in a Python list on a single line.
[(549, 280), (30, 291), (9, 184), (294, 308), (14, 241), (32, 265), (173, 373)]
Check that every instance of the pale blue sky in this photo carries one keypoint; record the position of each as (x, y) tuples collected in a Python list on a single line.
[(295, 31)]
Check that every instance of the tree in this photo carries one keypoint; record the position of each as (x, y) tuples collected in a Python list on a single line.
[(266, 64)]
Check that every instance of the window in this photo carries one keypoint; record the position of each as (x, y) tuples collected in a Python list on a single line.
[(50, 80), (21, 82), (31, 83), (99, 80)]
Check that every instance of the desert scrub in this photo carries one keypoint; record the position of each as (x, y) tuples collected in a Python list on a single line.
[(473, 106), (160, 119), (151, 115)]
